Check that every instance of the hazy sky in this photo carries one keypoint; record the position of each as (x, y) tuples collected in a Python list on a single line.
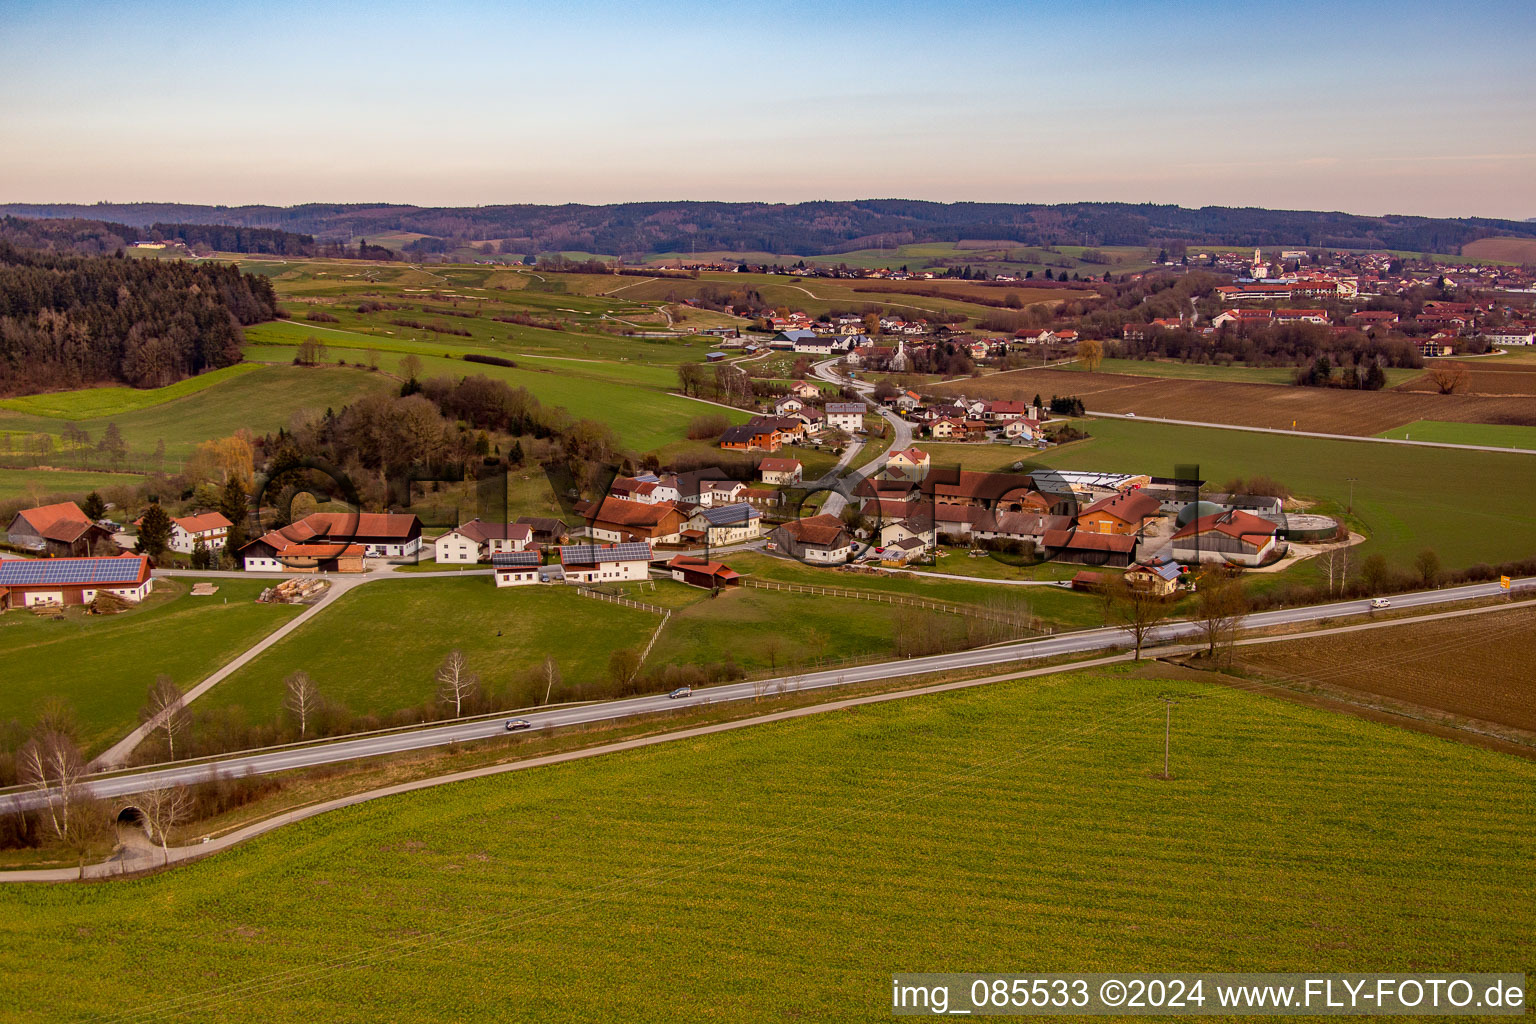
[(1395, 106)]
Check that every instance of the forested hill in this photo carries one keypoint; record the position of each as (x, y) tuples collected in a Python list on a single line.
[(101, 237), (819, 228), (67, 321)]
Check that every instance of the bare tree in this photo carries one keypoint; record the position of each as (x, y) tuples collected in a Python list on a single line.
[(455, 683), (302, 698), (51, 764), (163, 810), (550, 672), (1335, 563), (1137, 609), (1220, 606), (165, 710), (1448, 378), (1427, 563)]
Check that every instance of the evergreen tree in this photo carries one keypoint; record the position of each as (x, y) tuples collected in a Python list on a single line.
[(94, 507), (112, 445), (154, 531), (234, 506)]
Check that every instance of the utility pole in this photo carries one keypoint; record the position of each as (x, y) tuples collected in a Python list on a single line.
[(1167, 731), (1350, 508)]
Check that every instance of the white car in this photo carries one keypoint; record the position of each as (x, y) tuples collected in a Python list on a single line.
[(1380, 602)]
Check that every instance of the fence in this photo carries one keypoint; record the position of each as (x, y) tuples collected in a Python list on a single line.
[(1025, 622), (626, 602), (654, 637)]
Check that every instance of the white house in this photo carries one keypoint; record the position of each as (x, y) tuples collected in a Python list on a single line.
[(210, 527), (515, 568), (1514, 335), (846, 416), (787, 405), (780, 472), (906, 464), (804, 389), (605, 563), (478, 541), (728, 524)]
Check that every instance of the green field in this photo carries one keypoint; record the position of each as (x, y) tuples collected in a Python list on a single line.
[(1204, 371), (1470, 506), (377, 647), (103, 403), (104, 666), (786, 871), (1466, 433), (34, 485)]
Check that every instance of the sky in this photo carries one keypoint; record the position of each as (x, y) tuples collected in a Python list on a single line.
[(1394, 106)]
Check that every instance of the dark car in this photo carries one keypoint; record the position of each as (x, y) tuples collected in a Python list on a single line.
[(515, 724), (681, 691)]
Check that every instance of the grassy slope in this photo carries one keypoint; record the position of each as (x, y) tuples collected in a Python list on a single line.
[(1470, 506), (378, 647), (36, 484), (104, 666), (786, 871), (96, 403)]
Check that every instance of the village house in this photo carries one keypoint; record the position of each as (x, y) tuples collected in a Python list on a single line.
[(907, 401), (58, 531), (1119, 513), (210, 527), (515, 568), (334, 542), (780, 472), (56, 582), (1084, 548), (479, 541), (906, 464), (804, 389), (726, 524), (1024, 527), (820, 539), (547, 531), (619, 521), (749, 438), (1230, 536), (787, 405), (846, 416), (720, 492), (1155, 576), (605, 563)]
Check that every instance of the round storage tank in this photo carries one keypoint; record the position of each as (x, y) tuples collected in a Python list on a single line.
[(1197, 510)]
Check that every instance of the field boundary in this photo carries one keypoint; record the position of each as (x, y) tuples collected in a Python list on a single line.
[(1313, 433), (885, 597)]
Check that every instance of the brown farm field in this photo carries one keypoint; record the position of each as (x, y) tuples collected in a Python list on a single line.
[(1487, 376), (1278, 406), (1502, 250), (1472, 672)]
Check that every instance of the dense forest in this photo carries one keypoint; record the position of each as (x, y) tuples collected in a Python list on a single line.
[(819, 228), (101, 237), (67, 321)]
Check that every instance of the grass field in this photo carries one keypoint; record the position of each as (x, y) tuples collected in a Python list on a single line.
[(1469, 506), (102, 403), (104, 666), (378, 647), (1326, 410), (1202, 371), (36, 484), (723, 877), (1465, 433)]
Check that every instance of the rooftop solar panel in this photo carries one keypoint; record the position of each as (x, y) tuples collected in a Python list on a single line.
[(589, 554), (515, 559), (46, 571)]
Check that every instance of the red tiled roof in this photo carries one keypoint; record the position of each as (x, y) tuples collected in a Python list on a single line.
[(1128, 507), (1245, 526), (44, 516), (1082, 540), (778, 465), (821, 531), (203, 522), (618, 512)]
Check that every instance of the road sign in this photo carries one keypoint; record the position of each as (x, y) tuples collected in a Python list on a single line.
[(1504, 582)]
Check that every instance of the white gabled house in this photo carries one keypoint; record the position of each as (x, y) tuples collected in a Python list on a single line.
[(479, 541), (210, 527), (605, 563)]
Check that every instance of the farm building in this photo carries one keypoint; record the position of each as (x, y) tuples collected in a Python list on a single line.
[(595, 563), (1084, 548), (618, 521), (547, 531), (59, 531), (515, 568), (55, 582), (210, 527), (696, 572), (821, 539), (1155, 576), (1227, 536), (478, 541), (334, 542), (1118, 513)]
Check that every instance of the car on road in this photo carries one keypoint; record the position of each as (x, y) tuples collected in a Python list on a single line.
[(1380, 602), (681, 691), (517, 724)]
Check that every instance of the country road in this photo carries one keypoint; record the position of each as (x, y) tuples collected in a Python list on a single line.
[(901, 437), (280, 760)]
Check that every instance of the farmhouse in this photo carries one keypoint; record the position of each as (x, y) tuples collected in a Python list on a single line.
[(1028, 527), (479, 541), (804, 389), (547, 531), (780, 472), (619, 521), (846, 416), (515, 568), (1155, 576), (334, 542), (60, 531), (787, 405), (43, 582), (1227, 536), (696, 572), (727, 524), (592, 563), (1119, 513), (906, 464), (821, 539), (210, 527)]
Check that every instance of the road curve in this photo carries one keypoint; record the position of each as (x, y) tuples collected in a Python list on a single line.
[(266, 762)]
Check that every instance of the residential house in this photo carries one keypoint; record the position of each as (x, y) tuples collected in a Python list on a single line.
[(846, 416), (334, 541), (621, 521), (210, 527), (748, 438), (727, 524), (480, 541), (804, 389), (1025, 527), (907, 401), (1230, 536), (906, 464), (720, 492), (605, 563), (787, 405), (59, 531), (547, 531), (515, 568), (1301, 316), (59, 581), (1155, 576), (780, 472), (820, 540)]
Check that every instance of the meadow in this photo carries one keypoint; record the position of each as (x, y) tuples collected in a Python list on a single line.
[(102, 666), (1469, 506), (1494, 434), (101, 403), (35, 485), (785, 871)]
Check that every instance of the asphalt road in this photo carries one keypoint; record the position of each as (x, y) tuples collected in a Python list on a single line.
[(457, 732), (901, 437)]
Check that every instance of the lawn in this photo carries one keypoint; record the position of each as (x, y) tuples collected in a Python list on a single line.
[(104, 666), (1494, 434), (37, 484), (102, 403), (786, 871), (378, 647), (1470, 506)]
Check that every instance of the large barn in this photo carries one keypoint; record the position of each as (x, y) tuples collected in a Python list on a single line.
[(55, 582)]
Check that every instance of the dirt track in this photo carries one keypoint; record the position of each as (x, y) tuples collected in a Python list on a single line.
[(1278, 406)]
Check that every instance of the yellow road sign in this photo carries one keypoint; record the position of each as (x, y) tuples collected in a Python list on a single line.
[(1504, 582)]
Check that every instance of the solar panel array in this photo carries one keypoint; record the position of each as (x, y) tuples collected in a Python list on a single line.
[(44, 571), (725, 515), (515, 559), (591, 554)]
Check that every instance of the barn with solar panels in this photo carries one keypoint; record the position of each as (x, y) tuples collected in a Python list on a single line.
[(605, 563), (55, 582)]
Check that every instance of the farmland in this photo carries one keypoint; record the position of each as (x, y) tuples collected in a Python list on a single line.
[(377, 647), (100, 403), (1236, 373), (1502, 250), (1289, 839), (1491, 688), (1465, 433), (102, 666), (1498, 375), (34, 485), (1325, 410)]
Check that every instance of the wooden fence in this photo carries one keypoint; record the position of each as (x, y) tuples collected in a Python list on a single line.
[(626, 602)]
